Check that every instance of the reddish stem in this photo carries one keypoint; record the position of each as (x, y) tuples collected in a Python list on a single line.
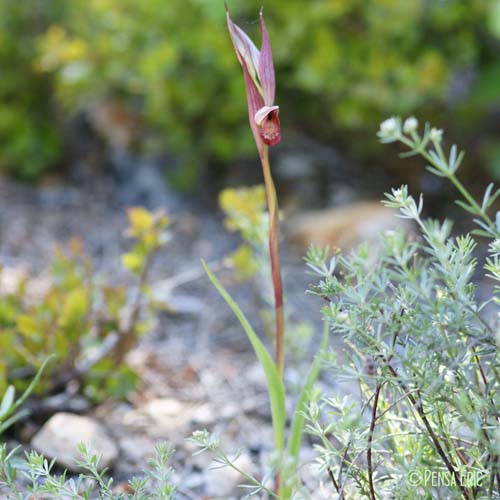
[(272, 204)]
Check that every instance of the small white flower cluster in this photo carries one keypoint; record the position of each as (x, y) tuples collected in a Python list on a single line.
[(436, 135), (400, 195), (390, 129)]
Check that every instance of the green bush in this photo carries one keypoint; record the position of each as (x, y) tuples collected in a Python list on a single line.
[(29, 136), (156, 482), (350, 62), (419, 349)]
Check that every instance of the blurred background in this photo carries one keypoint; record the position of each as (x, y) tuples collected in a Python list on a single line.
[(87, 84), (108, 104)]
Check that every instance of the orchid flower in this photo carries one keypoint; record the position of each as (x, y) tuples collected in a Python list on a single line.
[(260, 85)]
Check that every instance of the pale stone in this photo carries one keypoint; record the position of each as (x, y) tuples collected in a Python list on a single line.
[(345, 227), (62, 433), (222, 482)]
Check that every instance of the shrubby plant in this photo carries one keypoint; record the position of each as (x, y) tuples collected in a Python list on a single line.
[(30, 139), (33, 477), (421, 418), (245, 212), (87, 324), (420, 346)]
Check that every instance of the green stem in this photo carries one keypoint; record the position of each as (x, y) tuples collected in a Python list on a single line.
[(454, 180), (272, 204)]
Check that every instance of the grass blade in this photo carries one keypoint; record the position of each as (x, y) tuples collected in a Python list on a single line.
[(274, 382), (298, 420)]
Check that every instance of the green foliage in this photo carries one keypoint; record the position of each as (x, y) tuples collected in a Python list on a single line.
[(420, 347), (156, 483), (10, 407), (346, 62), (87, 324), (29, 137)]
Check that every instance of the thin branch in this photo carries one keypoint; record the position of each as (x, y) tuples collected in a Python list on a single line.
[(420, 410), (393, 405), (370, 440), (334, 481)]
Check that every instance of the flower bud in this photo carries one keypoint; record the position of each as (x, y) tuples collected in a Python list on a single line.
[(436, 135), (390, 130), (410, 125)]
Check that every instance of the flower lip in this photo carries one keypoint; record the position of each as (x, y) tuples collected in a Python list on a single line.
[(264, 112), (269, 128)]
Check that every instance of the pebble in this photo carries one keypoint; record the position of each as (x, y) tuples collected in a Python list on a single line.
[(62, 433), (221, 482), (169, 417)]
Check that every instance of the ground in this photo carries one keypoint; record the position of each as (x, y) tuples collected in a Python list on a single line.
[(197, 368)]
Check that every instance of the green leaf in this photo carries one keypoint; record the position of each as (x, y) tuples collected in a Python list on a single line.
[(74, 309), (298, 420), (8, 406), (27, 325), (140, 220), (13, 419), (33, 383), (274, 381), (7, 402), (494, 18), (133, 261)]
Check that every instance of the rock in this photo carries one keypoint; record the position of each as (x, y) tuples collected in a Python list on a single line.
[(296, 166), (221, 482), (169, 416), (203, 415), (62, 402), (136, 449), (62, 433), (344, 227)]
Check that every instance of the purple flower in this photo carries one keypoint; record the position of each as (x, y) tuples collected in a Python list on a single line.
[(260, 84)]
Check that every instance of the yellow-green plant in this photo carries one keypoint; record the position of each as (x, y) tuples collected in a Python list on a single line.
[(89, 325)]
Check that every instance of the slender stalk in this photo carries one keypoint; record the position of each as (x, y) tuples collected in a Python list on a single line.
[(370, 441), (332, 477), (454, 180), (272, 205), (417, 404)]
